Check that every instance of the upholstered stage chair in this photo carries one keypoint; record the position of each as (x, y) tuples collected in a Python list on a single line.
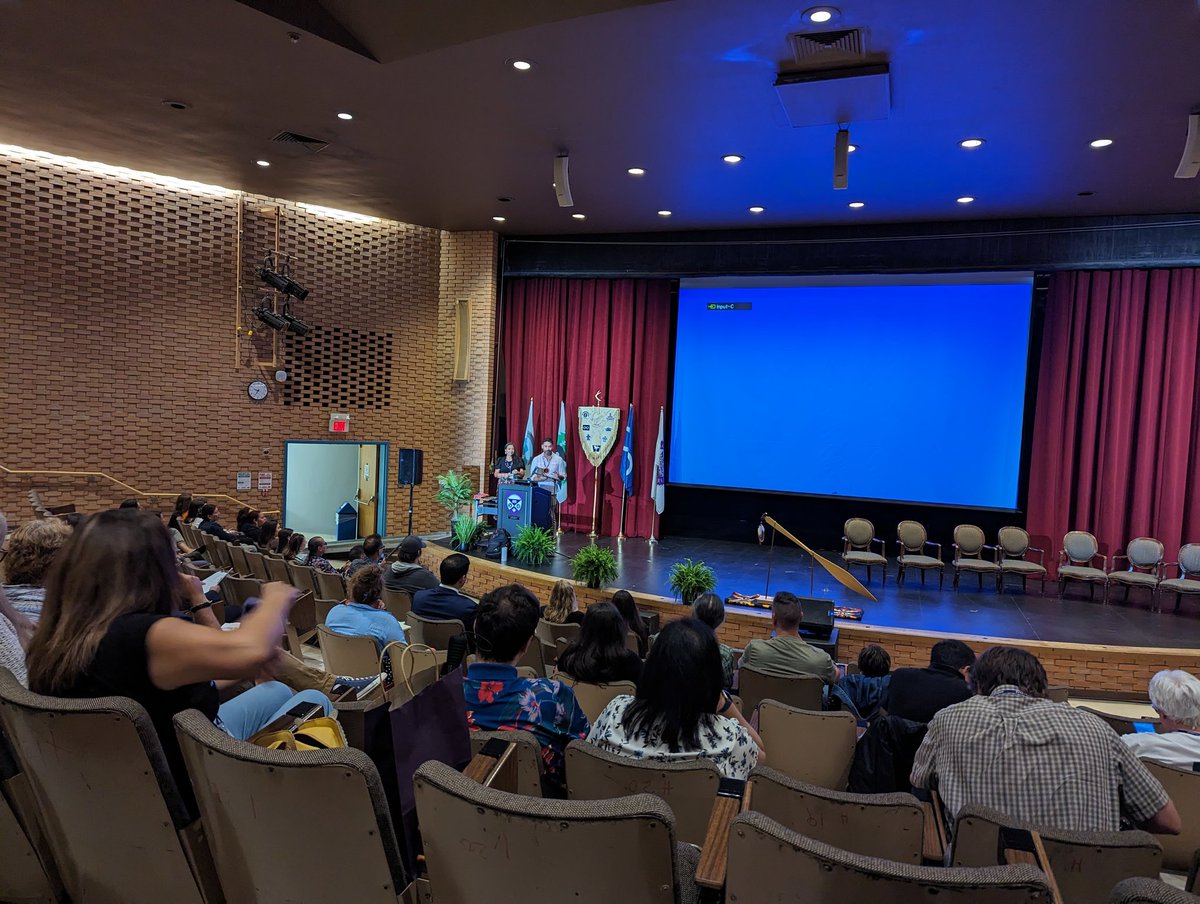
[(912, 540), (1079, 551), (1141, 553), (969, 545), (1188, 581), (859, 537), (1013, 543)]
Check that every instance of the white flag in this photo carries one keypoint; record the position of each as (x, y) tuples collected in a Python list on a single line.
[(658, 486)]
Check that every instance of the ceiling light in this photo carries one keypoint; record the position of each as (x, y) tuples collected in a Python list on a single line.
[(756, 209), (857, 204), (177, 104), (732, 158), (522, 65), (851, 148), (498, 219), (664, 213), (338, 214), (345, 116), (1102, 142), (636, 171), (263, 162), (578, 216), (971, 143), (819, 15), (965, 199)]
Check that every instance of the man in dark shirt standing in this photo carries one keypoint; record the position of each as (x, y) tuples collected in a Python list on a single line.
[(918, 694)]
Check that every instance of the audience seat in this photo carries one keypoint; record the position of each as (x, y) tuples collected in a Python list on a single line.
[(768, 862), (278, 569), (114, 820), (1120, 724), (434, 632), (330, 586), (549, 632), (355, 656), (258, 565), (324, 607), (1149, 891), (530, 766), (303, 578), (889, 826), (23, 848), (291, 826), (398, 602), (754, 687), (534, 658), (594, 697), (1013, 543), (1086, 865), (301, 625), (237, 590), (811, 746), (688, 787), (478, 840), (241, 565), (1179, 851)]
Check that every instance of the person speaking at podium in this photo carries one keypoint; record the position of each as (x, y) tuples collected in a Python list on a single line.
[(548, 468), (509, 466)]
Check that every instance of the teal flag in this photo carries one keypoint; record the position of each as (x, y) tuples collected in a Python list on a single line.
[(527, 446), (562, 450)]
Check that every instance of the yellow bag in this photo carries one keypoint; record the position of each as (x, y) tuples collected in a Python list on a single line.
[(324, 733)]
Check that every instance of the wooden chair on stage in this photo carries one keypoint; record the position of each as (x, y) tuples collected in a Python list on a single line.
[(1188, 581), (857, 540), (969, 546), (1144, 556), (1013, 543), (1075, 559), (912, 540)]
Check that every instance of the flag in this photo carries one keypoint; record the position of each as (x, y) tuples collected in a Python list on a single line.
[(627, 454), (562, 450), (658, 486), (527, 446)]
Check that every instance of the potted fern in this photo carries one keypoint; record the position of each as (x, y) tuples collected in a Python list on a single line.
[(594, 566), (690, 579), (533, 545), (464, 530), (454, 493)]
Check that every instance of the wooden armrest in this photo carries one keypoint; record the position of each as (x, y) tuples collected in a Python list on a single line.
[(714, 854), (933, 837), (495, 766), (1037, 857)]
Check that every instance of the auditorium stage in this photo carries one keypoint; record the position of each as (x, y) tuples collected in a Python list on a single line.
[(643, 567)]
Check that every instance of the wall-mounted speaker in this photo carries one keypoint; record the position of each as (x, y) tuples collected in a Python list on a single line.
[(841, 159), (562, 182), (410, 469), (1189, 164), (462, 339)]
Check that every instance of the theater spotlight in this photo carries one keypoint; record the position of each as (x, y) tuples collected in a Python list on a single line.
[(270, 318), (281, 279), (295, 324)]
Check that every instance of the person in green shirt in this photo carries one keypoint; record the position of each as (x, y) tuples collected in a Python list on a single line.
[(787, 654)]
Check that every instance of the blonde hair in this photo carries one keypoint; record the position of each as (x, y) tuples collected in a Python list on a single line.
[(562, 603)]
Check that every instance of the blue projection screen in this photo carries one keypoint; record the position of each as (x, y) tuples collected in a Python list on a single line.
[(902, 388)]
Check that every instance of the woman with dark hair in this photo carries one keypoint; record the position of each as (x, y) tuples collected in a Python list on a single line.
[(282, 539), (266, 534), (193, 512), (623, 600), (681, 711), (710, 610), (183, 503), (509, 466), (295, 544), (110, 626), (600, 656)]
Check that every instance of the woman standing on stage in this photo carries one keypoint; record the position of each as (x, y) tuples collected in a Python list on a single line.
[(510, 465)]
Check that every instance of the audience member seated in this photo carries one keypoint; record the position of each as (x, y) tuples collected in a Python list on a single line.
[(787, 654), (1175, 696), (710, 609), (499, 700), (407, 573), (863, 694), (563, 607), (370, 553), (447, 599), (363, 614), (316, 556), (600, 655), (282, 537), (268, 534), (250, 524), (295, 551), (32, 549), (1011, 749), (623, 600), (680, 711), (122, 635), (129, 504), (182, 503), (210, 523), (919, 694), (195, 507), (16, 629)]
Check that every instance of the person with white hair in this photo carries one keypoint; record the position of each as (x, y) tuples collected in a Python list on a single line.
[(1175, 696)]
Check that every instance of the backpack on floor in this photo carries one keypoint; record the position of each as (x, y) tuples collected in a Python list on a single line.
[(499, 540)]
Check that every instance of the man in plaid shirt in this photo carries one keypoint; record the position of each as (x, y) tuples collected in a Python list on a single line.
[(1011, 749)]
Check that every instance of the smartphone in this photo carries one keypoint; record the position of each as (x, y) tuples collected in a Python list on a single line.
[(305, 711), (731, 787), (1145, 728)]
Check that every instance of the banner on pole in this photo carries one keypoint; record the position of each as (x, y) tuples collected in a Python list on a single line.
[(598, 432)]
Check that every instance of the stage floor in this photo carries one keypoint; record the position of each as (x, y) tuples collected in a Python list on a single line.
[(742, 567)]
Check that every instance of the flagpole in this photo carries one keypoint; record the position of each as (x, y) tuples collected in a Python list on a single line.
[(595, 499), (621, 531), (653, 525)]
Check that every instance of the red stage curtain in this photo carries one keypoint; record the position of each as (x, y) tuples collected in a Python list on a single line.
[(564, 339), (1116, 438)]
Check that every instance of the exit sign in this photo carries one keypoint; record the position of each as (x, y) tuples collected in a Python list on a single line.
[(339, 423)]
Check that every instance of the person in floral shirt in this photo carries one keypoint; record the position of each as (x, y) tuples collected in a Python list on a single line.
[(499, 700)]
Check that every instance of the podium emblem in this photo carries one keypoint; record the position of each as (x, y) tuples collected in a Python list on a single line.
[(598, 432), (513, 503)]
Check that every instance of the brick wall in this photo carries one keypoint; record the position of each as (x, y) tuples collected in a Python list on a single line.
[(1094, 667), (119, 301)]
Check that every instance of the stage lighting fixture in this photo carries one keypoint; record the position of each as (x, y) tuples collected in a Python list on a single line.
[(281, 279), (270, 318), (295, 324)]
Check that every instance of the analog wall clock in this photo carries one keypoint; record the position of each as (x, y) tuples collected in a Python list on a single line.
[(257, 390)]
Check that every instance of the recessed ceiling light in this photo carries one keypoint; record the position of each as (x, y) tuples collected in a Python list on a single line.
[(1085, 194), (858, 204), (498, 219), (345, 116), (177, 104), (263, 162), (522, 65), (732, 158), (578, 216), (965, 199), (664, 213), (819, 15), (1102, 142), (971, 143), (852, 148), (636, 171), (756, 209)]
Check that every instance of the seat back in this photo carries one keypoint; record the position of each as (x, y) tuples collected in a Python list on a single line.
[(1013, 541), (768, 862), (277, 569), (812, 746), (106, 796), (330, 586), (1144, 552), (552, 850), (1086, 865), (530, 765), (1184, 789), (1080, 546), (859, 531), (755, 686), (258, 565), (969, 539), (276, 818), (890, 826), (224, 555), (1119, 724), (550, 633), (1141, 890), (534, 658), (912, 536), (434, 632), (356, 657), (241, 564), (688, 786), (1189, 559), (22, 845), (398, 602), (594, 697), (303, 578), (237, 590)]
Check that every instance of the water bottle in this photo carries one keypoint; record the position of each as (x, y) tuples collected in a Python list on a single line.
[(504, 555)]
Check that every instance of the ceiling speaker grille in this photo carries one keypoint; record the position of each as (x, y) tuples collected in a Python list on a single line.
[(313, 144), (825, 46)]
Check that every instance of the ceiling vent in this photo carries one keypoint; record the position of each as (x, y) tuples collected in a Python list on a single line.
[(311, 144), (825, 48)]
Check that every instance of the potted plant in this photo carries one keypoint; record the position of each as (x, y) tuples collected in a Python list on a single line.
[(594, 566), (533, 545), (454, 492), (690, 579), (464, 530)]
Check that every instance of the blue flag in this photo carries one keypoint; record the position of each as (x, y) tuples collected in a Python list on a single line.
[(527, 446), (627, 455)]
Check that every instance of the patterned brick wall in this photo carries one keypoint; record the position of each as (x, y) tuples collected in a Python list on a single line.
[(1096, 668), (118, 322)]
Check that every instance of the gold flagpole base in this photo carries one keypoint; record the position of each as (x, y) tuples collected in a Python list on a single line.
[(620, 536), (652, 539)]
